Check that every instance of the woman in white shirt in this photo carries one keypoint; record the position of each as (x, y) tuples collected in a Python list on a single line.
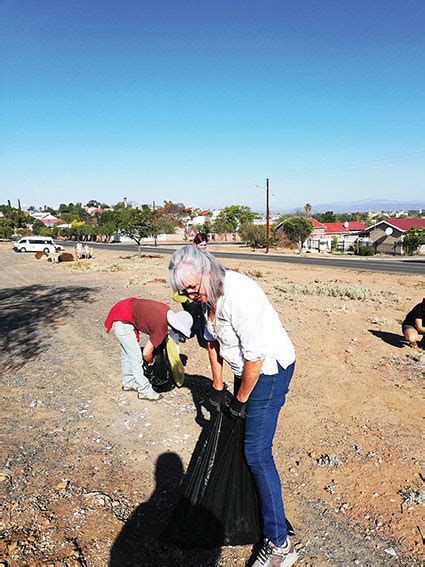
[(246, 332)]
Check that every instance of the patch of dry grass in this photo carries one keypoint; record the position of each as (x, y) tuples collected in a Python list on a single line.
[(354, 292)]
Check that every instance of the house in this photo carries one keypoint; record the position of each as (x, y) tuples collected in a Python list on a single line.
[(46, 218), (325, 234), (386, 236), (343, 234)]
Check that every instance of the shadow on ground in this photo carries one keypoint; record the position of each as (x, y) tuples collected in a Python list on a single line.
[(142, 541), (392, 339), (30, 315)]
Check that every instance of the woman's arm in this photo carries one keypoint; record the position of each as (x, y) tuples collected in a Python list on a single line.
[(251, 373), (216, 363)]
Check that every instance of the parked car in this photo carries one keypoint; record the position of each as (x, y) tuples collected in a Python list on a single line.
[(37, 244)]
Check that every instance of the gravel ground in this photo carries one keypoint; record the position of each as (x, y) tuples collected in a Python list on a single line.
[(90, 473)]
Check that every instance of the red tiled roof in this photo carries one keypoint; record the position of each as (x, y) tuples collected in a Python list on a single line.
[(334, 227), (317, 224), (405, 224)]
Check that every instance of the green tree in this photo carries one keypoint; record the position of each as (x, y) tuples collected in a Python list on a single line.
[(122, 205), (136, 223), (63, 208), (17, 218), (328, 216), (255, 235), (45, 231), (207, 227), (93, 203), (233, 219), (71, 212), (37, 227), (222, 225), (106, 224), (413, 239), (297, 229), (6, 228), (164, 225)]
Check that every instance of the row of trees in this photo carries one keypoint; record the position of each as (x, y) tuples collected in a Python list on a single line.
[(138, 223), (141, 222)]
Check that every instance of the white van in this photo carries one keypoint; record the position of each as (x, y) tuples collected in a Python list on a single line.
[(36, 244)]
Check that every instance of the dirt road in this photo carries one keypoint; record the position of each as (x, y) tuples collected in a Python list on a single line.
[(91, 473)]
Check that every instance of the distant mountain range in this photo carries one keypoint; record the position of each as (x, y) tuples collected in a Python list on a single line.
[(373, 205)]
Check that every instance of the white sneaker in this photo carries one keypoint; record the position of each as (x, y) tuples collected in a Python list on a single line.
[(272, 556), (151, 396), (128, 388)]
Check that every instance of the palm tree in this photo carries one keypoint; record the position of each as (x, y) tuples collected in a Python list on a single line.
[(307, 209)]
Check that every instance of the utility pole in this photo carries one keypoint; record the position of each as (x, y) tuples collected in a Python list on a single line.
[(267, 216), (154, 224)]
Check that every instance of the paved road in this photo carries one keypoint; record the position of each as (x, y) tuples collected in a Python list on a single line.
[(398, 265)]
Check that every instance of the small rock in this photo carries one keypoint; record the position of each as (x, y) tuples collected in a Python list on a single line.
[(328, 461), (390, 551), (5, 476)]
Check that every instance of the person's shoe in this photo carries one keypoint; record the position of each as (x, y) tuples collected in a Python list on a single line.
[(150, 396), (129, 388), (272, 556)]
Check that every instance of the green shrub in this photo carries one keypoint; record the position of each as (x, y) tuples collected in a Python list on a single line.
[(361, 250)]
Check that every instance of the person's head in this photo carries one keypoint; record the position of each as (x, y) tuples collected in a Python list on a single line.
[(197, 273), (201, 240)]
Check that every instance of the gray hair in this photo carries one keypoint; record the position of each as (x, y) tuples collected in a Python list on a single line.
[(191, 259)]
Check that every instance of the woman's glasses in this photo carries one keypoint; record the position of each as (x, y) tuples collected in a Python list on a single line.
[(193, 291)]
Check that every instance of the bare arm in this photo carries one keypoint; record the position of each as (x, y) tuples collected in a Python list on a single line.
[(419, 326), (216, 363), (251, 373), (148, 352)]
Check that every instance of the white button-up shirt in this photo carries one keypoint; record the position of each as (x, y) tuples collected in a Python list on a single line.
[(248, 328)]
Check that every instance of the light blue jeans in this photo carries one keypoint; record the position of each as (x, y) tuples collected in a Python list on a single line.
[(131, 358)]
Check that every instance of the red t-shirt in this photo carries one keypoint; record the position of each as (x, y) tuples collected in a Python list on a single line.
[(119, 312), (150, 317), (147, 316)]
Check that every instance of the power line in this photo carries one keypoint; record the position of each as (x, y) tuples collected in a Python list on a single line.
[(361, 165)]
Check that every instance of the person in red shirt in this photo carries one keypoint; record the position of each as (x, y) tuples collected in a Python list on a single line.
[(130, 317)]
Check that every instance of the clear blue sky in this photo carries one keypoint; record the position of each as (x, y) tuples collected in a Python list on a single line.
[(199, 102)]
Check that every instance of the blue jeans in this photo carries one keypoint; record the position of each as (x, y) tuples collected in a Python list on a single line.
[(264, 405), (131, 358)]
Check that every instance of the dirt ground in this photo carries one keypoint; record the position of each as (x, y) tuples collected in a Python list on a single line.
[(90, 474)]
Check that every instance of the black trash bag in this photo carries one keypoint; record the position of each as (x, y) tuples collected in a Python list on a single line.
[(159, 373), (219, 504), (196, 309)]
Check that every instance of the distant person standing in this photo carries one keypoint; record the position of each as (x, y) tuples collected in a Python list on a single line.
[(414, 324), (79, 251), (201, 240)]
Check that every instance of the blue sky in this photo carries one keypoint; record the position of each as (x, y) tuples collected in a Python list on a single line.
[(199, 101)]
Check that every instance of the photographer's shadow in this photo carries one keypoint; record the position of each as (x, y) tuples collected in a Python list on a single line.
[(142, 541)]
